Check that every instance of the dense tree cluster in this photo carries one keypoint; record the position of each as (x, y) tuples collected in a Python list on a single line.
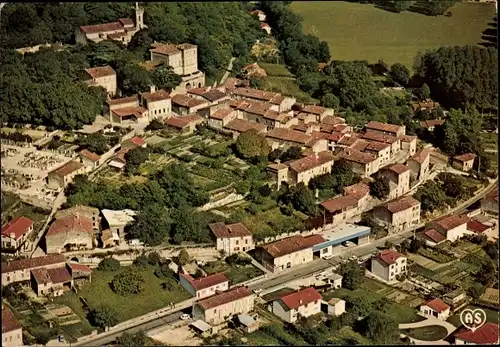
[(331, 184), (103, 316), (250, 144), (461, 75), (128, 282)]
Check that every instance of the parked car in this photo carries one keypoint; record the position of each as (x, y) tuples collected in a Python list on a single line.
[(257, 291), (185, 316), (328, 257)]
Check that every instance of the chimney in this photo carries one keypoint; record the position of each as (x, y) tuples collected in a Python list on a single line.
[(300, 301), (152, 89)]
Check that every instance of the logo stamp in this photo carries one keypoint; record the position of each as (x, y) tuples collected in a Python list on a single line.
[(473, 319)]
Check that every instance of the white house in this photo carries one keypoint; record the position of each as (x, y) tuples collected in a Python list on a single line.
[(205, 286), (302, 303), (15, 233), (388, 264), (232, 238), (436, 308), (452, 227), (336, 307)]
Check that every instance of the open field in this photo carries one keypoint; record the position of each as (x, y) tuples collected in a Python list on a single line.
[(363, 32), (287, 86), (275, 70), (236, 273), (428, 333), (491, 315)]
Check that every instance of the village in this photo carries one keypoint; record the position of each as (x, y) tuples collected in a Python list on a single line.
[(281, 250)]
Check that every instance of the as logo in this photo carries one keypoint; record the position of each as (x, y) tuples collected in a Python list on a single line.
[(473, 319)]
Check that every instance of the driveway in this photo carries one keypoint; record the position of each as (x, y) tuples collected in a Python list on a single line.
[(450, 328)]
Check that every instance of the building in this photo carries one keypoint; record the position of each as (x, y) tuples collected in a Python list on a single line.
[(287, 253), (91, 213), (409, 144), (302, 303), (431, 124), (221, 307), (455, 297), (232, 238), (121, 31), (280, 103), (266, 27), (260, 14), (464, 162), (109, 238), (70, 233), (399, 179), (63, 175), (117, 221), (185, 124), (183, 58), (248, 323), (318, 113), (12, 331), (51, 281), (220, 118), (281, 137), (184, 105), (451, 227), (364, 164), (419, 164), (340, 209), (486, 334), (386, 129), (89, 159), (204, 286), (433, 238), (393, 141), (388, 265), (435, 308), (15, 233), (158, 103), (19, 270), (399, 214), (361, 192), (103, 76), (240, 126), (489, 204), (335, 307), (212, 95), (380, 149), (330, 242), (425, 105)]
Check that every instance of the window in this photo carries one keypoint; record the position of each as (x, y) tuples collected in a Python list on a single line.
[(306, 305), (237, 242), (215, 310), (246, 242)]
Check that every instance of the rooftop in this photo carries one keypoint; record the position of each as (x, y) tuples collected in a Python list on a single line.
[(71, 223), (451, 222), (181, 122), (221, 113), (311, 161), (255, 94), (41, 276), (89, 155), (186, 101), (397, 168), (333, 120), (164, 48), (408, 138), (102, 28), (125, 100), (24, 264), (222, 230), (380, 137), (357, 191), (437, 305), (465, 157), (18, 226), (375, 146), (318, 110), (484, 335), (289, 245), (389, 256), (214, 95), (118, 218), (492, 196), (241, 126), (300, 298), (420, 156), (156, 96), (207, 281), (339, 203), (230, 295), (129, 111), (434, 235), (401, 204), (101, 71), (390, 128), (288, 135), (135, 140), (476, 226), (431, 123), (357, 156), (9, 321), (67, 169)]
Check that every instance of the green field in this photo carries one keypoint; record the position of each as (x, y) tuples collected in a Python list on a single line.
[(363, 32), (275, 70), (491, 316), (428, 333), (288, 87)]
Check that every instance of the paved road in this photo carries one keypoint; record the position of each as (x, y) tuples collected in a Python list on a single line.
[(430, 321)]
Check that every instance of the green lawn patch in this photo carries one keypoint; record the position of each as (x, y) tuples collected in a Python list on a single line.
[(491, 315), (428, 333), (419, 269), (235, 273), (490, 140), (277, 294), (276, 70), (287, 86), (363, 32), (435, 255)]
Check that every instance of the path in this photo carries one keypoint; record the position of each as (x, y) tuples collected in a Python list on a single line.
[(228, 70), (430, 321)]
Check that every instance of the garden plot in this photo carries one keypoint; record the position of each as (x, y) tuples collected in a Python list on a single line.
[(461, 249), (155, 140), (423, 261)]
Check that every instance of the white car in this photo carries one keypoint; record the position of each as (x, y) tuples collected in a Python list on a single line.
[(257, 291), (185, 316), (328, 257)]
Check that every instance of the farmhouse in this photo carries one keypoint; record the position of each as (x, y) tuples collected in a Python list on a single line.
[(486, 334), (364, 164), (389, 264), (103, 76), (436, 308), (400, 213), (302, 303), (72, 232), (55, 281), (63, 175), (91, 213), (157, 102), (220, 118), (19, 270), (452, 227), (15, 233), (232, 238), (204, 286), (12, 331), (464, 162), (185, 124)]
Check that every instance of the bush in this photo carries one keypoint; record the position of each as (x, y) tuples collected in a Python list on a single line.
[(103, 316), (164, 272), (109, 265), (170, 284), (141, 261), (128, 282), (237, 259)]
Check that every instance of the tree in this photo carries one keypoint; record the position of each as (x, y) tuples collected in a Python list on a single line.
[(415, 245), (170, 284), (132, 340), (109, 265), (96, 143), (431, 196), (189, 225), (422, 93), (453, 186), (164, 272), (251, 144), (380, 187), (134, 158), (183, 257), (128, 282), (152, 225), (330, 100), (352, 275), (103, 316), (401, 5), (475, 290), (345, 176), (400, 73), (133, 78), (381, 327), (292, 153), (141, 261), (163, 77), (154, 258)]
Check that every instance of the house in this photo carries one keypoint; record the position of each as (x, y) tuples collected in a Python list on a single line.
[(130, 115), (431, 124), (103, 76), (219, 308), (134, 142), (15, 233), (419, 164), (399, 179), (69, 233), (489, 204), (220, 118), (186, 124), (386, 129), (409, 144), (261, 15), (380, 149), (335, 307), (433, 238), (399, 214), (435, 308), (232, 238), (319, 113), (336, 280), (240, 126), (464, 162), (486, 334), (286, 253), (89, 159), (51, 281), (454, 297), (91, 213), (212, 95), (364, 164), (184, 105), (12, 331), (254, 70), (388, 265), (109, 238), (118, 220), (248, 323), (280, 103), (303, 169), (204, 286), (302, 303), (19, 270), (121, 31), (393, 141), (426, 105), (118, 160), (339, 209), (183, 58), (452, 227), (157, 102), (359, 191), (63, 175), (475, 227)]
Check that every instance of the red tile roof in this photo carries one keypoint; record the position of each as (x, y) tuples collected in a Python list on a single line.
[(486, 334), (336, 136), (59, 275), (136, 141), (318, 110), (264, 25), (350, 154), (186, 101), (9, 321), (431, 123), (129, 111), (101, 71), (340, 203), (311, 161), (476, 226), (451, 222), (437, 305), (178, 122), (465, 157), (255, 94), (389, 256), (79, 267), (301, 298), (380, 137), (397, 168), (434, 235), (314, 239), (67, 169), (156, 96), (89, 155), (357, 191), (343, 128), (420, 156), (332, 120), (18, 226), (289, 245), (374, 146), (126, 21), (222, 113), (222, 230), (390, 128), (102, 28), (214, 95), (408, 138), (241, 126), (288, 135), (207, 281), (228, 296), (24, 264), (492, 196), (166, 49), (401, 204), (125, 100), (76, 222), (41, 276), (359, 145)]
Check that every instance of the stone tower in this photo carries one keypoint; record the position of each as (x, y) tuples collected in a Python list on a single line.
[(139, 16)]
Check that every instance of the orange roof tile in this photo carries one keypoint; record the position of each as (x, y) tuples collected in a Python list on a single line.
[(101, 71), (401, 204), (465, 157), (228, 296), (18, 226), (311, 161), (222, 230), (67, 168), (289, 245), (301, 298), (339, 203), (207, 281)]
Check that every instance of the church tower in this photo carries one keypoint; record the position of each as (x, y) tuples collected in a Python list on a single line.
[(139, 17)]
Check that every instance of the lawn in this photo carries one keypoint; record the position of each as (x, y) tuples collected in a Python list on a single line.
[(276, 70), (363, 32), (235, 273), (9, 200), (277, 294), (491, 315), (288, 87), (428, 333), (99, 292)]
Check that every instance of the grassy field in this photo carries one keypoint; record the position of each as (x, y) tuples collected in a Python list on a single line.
[(362, 32), (236, 273), (491, 316), (275, 70), (288, 87), (428, 333)]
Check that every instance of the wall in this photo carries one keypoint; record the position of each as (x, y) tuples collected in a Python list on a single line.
[(233, 197)]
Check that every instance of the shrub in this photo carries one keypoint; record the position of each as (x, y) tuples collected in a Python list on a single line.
[(128, 282), (109, 265)]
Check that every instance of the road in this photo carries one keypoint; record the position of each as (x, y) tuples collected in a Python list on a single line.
[(228, 70)]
